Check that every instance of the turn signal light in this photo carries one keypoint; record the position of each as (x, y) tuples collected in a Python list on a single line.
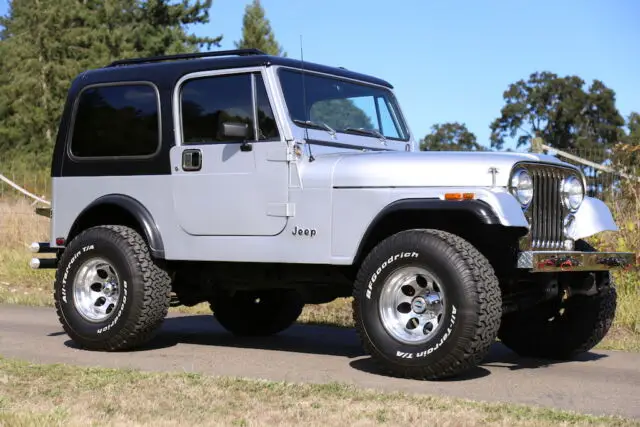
[(459, 196)]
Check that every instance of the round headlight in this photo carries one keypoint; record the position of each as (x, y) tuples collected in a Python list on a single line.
[(522, 187), (572, 193)]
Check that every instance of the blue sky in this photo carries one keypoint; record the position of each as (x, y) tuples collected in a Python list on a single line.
[(452, 60)]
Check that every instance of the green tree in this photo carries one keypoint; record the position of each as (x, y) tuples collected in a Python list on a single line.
[(559, 110), (35, 70), (626, 155), (633, 125), (257, 32), (46, 43), (157, 27), (450, 137)]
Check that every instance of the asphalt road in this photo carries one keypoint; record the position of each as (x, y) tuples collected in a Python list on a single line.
[(602, 382)]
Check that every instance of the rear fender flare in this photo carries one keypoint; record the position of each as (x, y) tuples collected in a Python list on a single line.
[(137, 210)]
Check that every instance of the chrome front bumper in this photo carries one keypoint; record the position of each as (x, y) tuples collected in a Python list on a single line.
[(555, 261)]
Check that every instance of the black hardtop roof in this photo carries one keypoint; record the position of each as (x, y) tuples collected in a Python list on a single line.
[(171, 68)]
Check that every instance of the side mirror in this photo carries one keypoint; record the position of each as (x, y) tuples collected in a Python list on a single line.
[(239, 131), (235, 130)]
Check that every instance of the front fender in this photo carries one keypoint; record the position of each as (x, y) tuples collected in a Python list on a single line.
[(502, 204), (505, 206), (592, 217)]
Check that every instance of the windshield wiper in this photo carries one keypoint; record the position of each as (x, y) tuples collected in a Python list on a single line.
[(317, 125), (372, 132)]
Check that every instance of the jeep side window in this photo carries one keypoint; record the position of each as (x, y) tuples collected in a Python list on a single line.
[(208, 102), (116, 121)]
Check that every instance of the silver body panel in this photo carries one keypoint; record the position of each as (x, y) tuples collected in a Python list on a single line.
[(339, 217), (416, 169), (593, 217), (248, 206)]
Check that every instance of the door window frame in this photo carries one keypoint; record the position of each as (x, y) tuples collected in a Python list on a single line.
[(267, 81)]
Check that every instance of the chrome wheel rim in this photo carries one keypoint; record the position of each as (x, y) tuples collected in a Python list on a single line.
[(412, 305), (96, 290)]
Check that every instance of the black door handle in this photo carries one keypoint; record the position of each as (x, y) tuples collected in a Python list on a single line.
[(191, 160)]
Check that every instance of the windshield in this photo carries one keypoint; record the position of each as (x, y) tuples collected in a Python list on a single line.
[(343, 106)]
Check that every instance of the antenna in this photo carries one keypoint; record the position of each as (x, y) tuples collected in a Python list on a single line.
[(304, 102)]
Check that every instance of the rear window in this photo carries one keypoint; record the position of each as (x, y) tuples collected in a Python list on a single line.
[(116, 121)]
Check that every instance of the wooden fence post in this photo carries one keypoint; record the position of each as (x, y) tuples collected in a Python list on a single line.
[(536, 145)]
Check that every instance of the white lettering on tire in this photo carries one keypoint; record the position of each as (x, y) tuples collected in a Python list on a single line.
[(74, 258), (430, 350), (404, 355), (122, 304), (384, 265)]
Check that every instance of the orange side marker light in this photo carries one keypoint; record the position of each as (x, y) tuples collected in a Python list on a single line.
[(459, 196)]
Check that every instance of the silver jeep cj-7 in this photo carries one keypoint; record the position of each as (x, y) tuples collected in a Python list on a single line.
[(259, 184)]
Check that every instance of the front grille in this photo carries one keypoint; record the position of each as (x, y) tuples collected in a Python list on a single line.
[(546, 212)]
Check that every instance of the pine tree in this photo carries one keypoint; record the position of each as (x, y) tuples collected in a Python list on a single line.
[(46, 43), (257, 32), (37, 65)]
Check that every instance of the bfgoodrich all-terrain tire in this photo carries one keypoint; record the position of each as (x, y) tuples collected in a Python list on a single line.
[(258, 313), (562, 329), (426, 304), (109, 294)]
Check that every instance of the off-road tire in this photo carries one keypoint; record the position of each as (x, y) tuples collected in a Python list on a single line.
[(584, 322), (473, 302), (144, 295), (241, 315)]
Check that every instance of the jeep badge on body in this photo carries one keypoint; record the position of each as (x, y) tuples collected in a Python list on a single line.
[(259, 184)]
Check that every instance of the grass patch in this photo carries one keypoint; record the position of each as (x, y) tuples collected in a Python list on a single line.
[(19, 284), (32, 395)]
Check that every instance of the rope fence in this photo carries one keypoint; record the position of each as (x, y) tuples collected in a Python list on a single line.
[(23, 191), (609, 172), (589, 163)]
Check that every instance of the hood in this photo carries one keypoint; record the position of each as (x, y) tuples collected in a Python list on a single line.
[(414, 169)]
